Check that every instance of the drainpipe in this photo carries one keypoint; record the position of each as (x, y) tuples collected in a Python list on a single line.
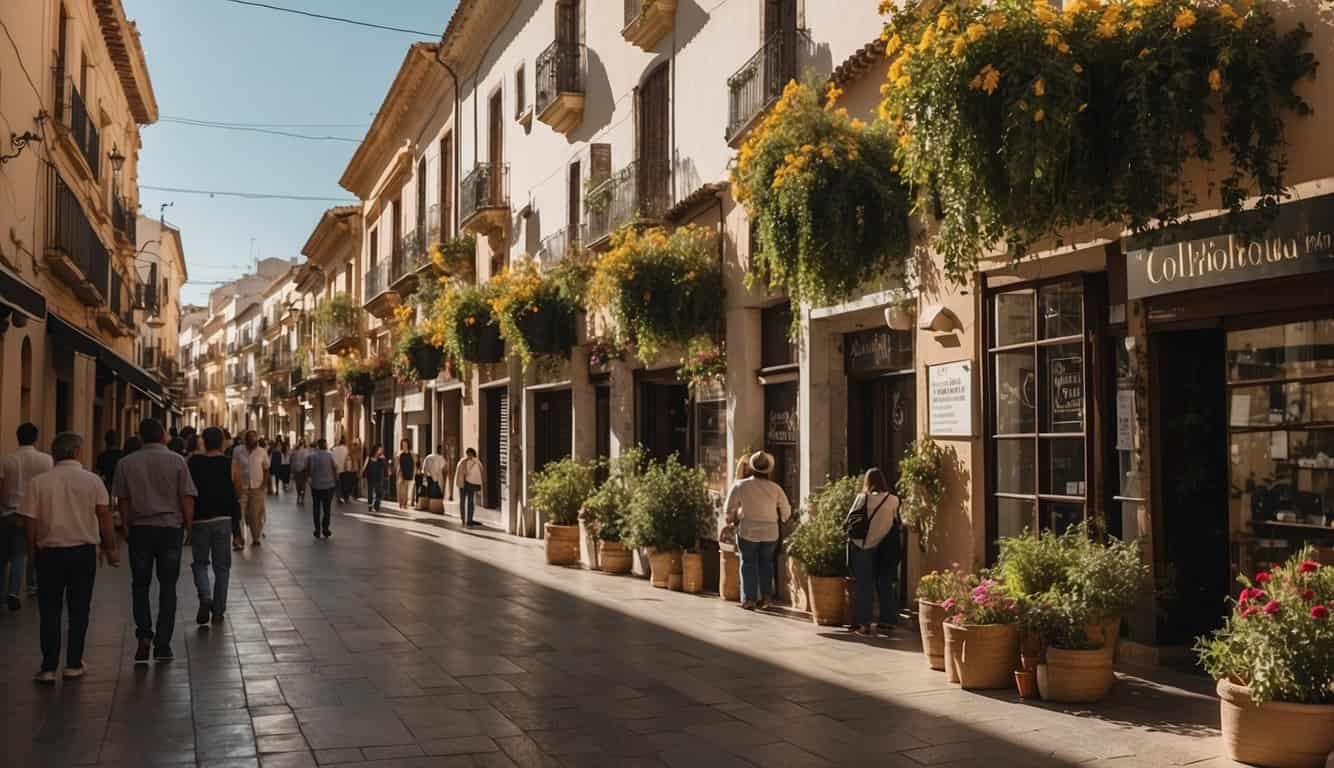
[(458, 151)]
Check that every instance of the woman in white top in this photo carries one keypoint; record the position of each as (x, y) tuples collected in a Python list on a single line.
[(874, 559)]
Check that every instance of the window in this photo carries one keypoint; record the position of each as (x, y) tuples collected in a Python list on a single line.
[(1037, 407), (520, 93), (421, 195), (655, 143), (573, 202), (446, 185), (374, 247), (776, 345)]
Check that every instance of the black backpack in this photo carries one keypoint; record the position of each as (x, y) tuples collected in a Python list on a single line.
[(857, 524)]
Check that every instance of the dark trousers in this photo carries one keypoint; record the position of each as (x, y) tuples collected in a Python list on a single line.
[(468, 502), (66, 576), (374, 492), (157, 549), (321, 507), (13, 555), (347, 485), (875, 570)]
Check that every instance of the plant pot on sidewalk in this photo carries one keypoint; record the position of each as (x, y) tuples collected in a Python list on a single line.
[(983, 655), (562, 544), (1106, 634), (1277, 734), (662, 565), (613, 557), (930, 621), (729, 576), (692, 573), (1075, 677), (1026, 680), (828, 600)]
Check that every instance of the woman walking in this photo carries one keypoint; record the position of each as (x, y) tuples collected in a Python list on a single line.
[(757, 506), (298, 463), (407, 468), (873, 553), (374, 472)]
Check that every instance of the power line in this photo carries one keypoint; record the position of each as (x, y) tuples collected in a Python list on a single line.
[(267, 131), (262, 125), (340, 19), (249, 195)]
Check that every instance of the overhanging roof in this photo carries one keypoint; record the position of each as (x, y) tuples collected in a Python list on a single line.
[(366, 164), (334, 223), (127, 56)]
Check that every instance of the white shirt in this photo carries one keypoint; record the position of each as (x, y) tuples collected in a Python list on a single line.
[(757, 505), (433, 466), (254, 464), (63, 504), (470, 470), (340, 457), (16, 471)]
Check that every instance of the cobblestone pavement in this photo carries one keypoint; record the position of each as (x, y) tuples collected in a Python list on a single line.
[(405, 641)]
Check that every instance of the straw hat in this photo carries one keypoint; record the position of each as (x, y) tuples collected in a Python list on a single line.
[(761, 463)]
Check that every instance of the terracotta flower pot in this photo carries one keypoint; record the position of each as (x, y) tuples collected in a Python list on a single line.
[(729, 576), (983, 655), (562, 544), (692, 573), (613, 557), (1076, 677), (1026, 680), (930, 620), (1277, 734), (662, 565), (1105, 633), (828, 600)]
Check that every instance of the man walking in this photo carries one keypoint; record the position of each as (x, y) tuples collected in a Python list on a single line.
[(68, 515), (109, 458), (468, 477), (250, 474), (346, 475), (17, 470), (157, 502), (323, 480), (300, 470), (216, 511)]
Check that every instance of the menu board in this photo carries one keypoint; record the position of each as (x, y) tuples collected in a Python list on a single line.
[(950, 398)]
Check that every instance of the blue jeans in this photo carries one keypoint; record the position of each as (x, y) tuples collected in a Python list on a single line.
[(211, 544), (757, 569), (876, 570), (374, 493), (155, 548), (13, 555), (468, 502)]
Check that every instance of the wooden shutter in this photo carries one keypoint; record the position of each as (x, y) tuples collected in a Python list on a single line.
[(447, 185), (654, 173)]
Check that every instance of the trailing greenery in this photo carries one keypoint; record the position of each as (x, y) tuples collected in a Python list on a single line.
[(670, 507), (415, 357), (337, 310), (922, 486), (456, 257), (355, 374), (604, 512), (831, 209), (460, 320), (705, 362), (538, 312), (661, 287), (560, 489), (819, 541), (1017, 120)]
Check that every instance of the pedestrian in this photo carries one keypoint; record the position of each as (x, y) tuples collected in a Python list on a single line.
[(285, 469), (374, 472), (217, 512), (407, 468), (68, 515), (757, 506), (356, 456), (469, 476), (434, 467), (176, 445), (17, 470), (275, 467), (873, 532), (347, 472), (132, 444), (109, 458), (323, 480), (157, 502), (250, 475), (300, 469)]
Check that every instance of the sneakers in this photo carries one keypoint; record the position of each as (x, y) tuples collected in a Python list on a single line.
[(13, 602), (163, 653), (328, 534), (205, 609), (72, 673), (317, 534), (141, 655), (762, 603), (45, 676)]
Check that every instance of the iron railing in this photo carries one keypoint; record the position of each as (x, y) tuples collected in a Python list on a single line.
[(72, 113), (639, 192), (146, 297), (125, 218), (556, 247), (247, 338), (118, 299), (336, 331), (433, 233), (237, 378), (411, 255), (487, 186), (761, 80), (560, 69), (69, 232), (377, 281)]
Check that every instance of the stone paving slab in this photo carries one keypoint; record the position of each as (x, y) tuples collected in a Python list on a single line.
[(407, 642)]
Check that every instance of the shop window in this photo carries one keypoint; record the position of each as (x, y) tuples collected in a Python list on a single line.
[(776, 345), (711, 435), (1037, 407)]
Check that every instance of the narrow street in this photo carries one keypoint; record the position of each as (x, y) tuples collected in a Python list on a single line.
[(405, 641)]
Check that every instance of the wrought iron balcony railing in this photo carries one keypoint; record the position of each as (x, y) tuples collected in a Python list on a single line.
[(72, 113), (555, 248), (639, 192), (411, 255), (377, 281), (560, 70), (487, 186), (71, 236), (761, 80)]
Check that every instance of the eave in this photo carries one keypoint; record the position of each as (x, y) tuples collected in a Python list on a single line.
[(127, 56), (367, 162), (858, 63), (335, 225), (471, 28)]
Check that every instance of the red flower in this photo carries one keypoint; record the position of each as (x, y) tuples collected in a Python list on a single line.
[(1309, 566), (1249, 611), (1319, 612), (1246, 595), (1262, 577), (1308, 595), (1272, 607)]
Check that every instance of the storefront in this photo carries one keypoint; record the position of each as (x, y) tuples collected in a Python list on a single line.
[(882, 388)]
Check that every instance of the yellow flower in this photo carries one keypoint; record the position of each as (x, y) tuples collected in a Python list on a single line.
[(1226, 11), (928, 38), (1052, 38), (990, 79), (1145, 3), (903, 82), (1073, 8), (894, 44), (1063, 47), (1043, 10), (1039, 88), (1239, 22), (896, 68), (1144, 53), (1184, 20), (1215, 80), (946, 22), (959, 45), (996, 19), (975, 32), (1038, 116), (1133, 25)]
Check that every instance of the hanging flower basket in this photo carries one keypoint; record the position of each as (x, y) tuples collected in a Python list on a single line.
[(426, 359), (538, 312)]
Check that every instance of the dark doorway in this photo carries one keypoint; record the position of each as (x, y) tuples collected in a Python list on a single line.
[(451, 434), (882, 423), (782, 434), (664, 420), (496, 431), (602, 427), (1191, 421), (553, 425)]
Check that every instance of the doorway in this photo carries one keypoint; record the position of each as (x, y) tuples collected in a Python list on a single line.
[(495, 453), (882, 423), (664, 420), (553, 426), (451, 435), (1191, 425)]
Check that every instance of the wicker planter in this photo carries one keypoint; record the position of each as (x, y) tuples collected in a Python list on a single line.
[(662, 566), (798, 584), (562, 544), (931, 620), (729, 576), (983, 655), (613, 557), (361, 384), (547, 331), (692, 573), (1106, 634), (1075, 677), (828, 600), (1276, 735)]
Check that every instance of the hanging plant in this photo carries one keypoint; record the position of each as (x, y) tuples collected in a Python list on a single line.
[(1018, 120), (831, 209), (922, 487), (355, 374), (338, 310), (416, 358), (705, 363), (537, 312), (602, 350), (661, 287), (456, 257), (462, 323)]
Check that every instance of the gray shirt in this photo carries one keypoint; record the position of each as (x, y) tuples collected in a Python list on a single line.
[(154, 480), (323, 470)]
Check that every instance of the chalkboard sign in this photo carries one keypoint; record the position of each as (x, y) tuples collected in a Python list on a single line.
[(878, 349)]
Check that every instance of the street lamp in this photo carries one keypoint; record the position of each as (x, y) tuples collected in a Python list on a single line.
[(117, 162)]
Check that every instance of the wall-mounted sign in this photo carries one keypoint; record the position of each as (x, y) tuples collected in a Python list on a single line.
[(1218, 251), (414, 401), (1065, 379), (878, 349), (950, 399), (782, 425), (383, 394)]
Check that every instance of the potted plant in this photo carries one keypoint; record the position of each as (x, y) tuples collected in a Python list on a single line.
[(982, 636), (356, 376), (558, 491), (456, 257), (819, 543), (465, 324), (921, 487), (538, 313), (604, 512), (704, 364), (1076, 669), (933, 590), (1274, 663), (666, 507), (422, 359)]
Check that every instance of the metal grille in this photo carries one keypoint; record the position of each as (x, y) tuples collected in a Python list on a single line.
[(69, 232), (560, 69)]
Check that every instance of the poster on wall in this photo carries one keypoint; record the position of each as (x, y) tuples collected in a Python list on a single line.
[(950, 399), (1066, 379), (1125, 419)]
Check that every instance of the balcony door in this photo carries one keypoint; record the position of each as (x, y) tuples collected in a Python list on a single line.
[(654, 176), (395, 245), (421, 196), (780, 43), (496, 147)]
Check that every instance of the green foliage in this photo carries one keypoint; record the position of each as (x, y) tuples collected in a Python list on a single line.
[(459, 318), (670, 507), (922, 486), (705, 362), (457, 256), (987, 602), (604, 512), (560, 488), (337, 310), (1017, 121), (819, 542), (1279, 640), (538, 312), (939, 586), (832, 211)]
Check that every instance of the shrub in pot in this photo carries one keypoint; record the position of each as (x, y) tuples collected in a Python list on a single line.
[(1274, 663), (819, 543), (982, 636), (668, 505), (933, 590), (558, 491), (1076, 668), (604, 512), (922, 487)]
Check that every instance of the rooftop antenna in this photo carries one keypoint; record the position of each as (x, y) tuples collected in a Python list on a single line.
[(162, 212)]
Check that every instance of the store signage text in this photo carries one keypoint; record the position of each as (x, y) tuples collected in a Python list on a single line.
[(877, 350), (1066, 375), (950, 392)]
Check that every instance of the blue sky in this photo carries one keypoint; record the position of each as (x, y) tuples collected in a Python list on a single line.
[(218, 61)]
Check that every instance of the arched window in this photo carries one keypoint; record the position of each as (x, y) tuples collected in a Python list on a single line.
[(25, 380)]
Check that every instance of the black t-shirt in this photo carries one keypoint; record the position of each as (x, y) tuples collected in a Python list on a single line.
[(213, 481), (106, 463), (405, 466), (375, 470)]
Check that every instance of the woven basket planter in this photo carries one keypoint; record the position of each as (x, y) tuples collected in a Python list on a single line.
[(1277, 734), (984, 655)]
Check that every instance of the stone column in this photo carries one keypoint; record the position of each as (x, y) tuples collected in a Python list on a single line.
[(745, 417), (813, 401)]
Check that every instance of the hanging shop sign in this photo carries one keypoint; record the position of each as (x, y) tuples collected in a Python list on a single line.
[(878, 349), (1222, 251), (414, 401), (950, 399), (384, 393)]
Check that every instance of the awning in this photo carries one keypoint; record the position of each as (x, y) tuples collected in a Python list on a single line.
[(18, 294), (81, 342)]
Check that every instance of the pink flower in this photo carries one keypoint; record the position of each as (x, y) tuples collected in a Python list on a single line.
[(949, 604), (1262, 577), (1245, 596), (1249, 611), (1308, 595), (1272, 607), (1319, 612), (1259, 595), (1309, 566)]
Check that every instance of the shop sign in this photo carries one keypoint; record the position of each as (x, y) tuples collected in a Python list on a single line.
[(950, 399), (782, 426), (414, 401), (1217, 251), (1066, 381), (384, 394), (879, 349)]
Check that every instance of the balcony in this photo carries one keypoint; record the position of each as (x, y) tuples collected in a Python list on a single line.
[(117, 315), (278, 362), (151, 358), (240, 380), (411, 257), (247, 339), (340, 335), (146, 298), (761, 80), (561, 74), (647, 22), (381, 298), (637, 195), (273, 321), (125, 220), (75, 125), (484, 205), (555, 248), (73, 249)]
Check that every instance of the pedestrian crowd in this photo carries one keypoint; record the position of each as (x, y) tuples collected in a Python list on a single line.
[(163, 491)]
